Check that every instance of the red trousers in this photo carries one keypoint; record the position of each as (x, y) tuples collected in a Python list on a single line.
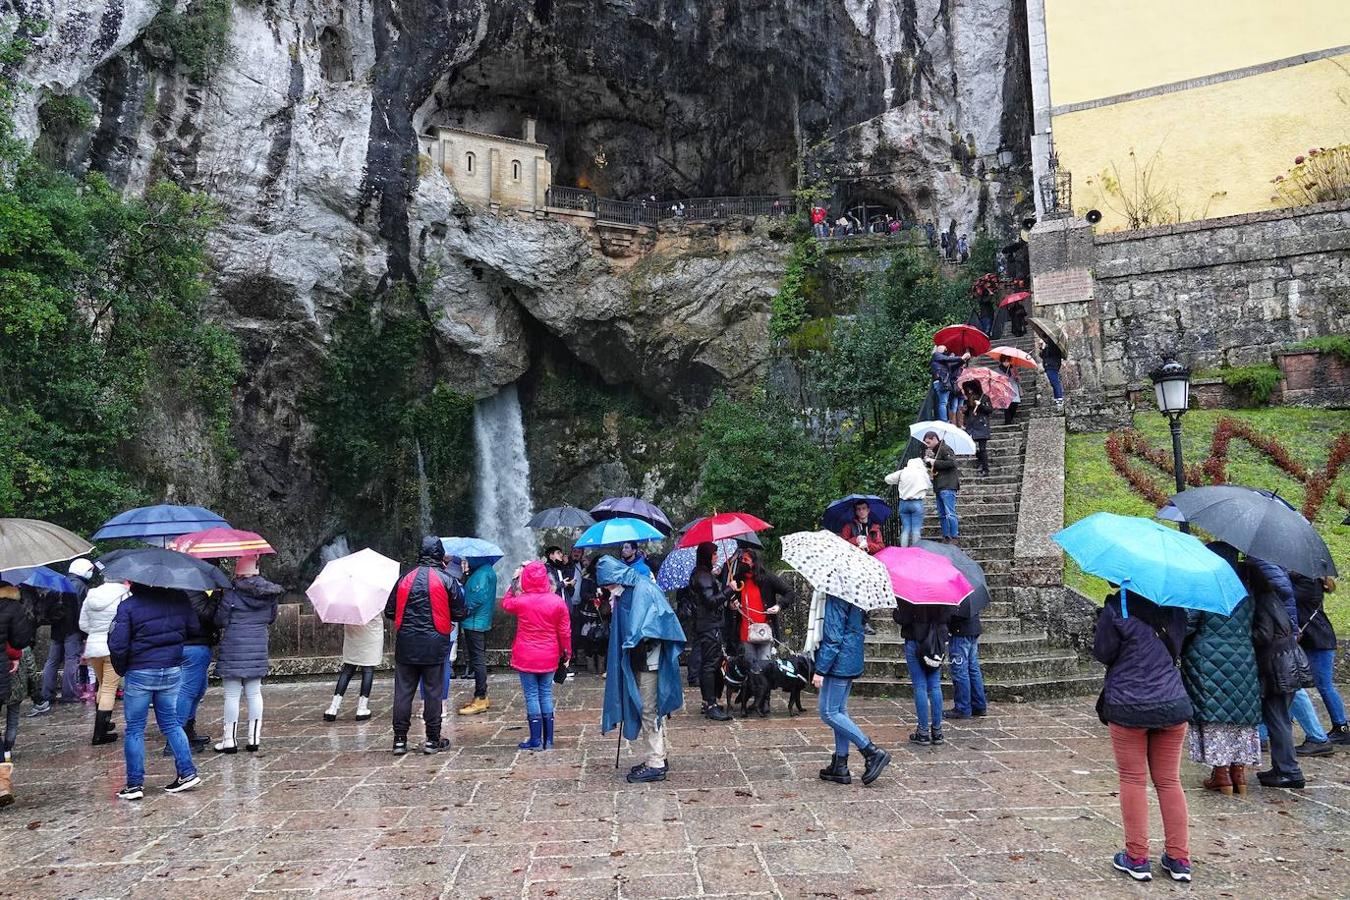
[(1142, 753)]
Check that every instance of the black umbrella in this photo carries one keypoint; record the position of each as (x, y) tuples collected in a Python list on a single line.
[(1259, 524), (749, 539), (634, 508), (974, 604), (156, 567), (561, 517)]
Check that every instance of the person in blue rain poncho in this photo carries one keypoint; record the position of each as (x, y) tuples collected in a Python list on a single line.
[(642, 682)]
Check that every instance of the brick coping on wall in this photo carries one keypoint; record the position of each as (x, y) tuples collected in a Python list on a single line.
[(1235, 221)]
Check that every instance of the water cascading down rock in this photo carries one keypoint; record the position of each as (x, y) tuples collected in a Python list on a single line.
[(502, 495)]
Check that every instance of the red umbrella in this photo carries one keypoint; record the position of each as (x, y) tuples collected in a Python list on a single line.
[(1014, 298), (221, 543), (960, 338), (724, 525), (995, 385), (1014, 356)]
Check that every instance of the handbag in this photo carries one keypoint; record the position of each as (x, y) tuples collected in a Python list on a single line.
[(560, 673), (760, 633)]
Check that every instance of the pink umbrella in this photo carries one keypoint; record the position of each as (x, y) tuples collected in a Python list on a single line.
[(1017, 358), (1014, 298), (995, 385), (923, 578), (353, 589)]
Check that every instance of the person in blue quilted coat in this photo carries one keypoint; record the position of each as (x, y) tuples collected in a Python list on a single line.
[(1218, 668)]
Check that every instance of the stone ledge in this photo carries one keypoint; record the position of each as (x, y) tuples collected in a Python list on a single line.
[(1236, 221), (1041, 507)]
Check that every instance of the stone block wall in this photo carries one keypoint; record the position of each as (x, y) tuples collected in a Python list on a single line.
[(1216, 292)]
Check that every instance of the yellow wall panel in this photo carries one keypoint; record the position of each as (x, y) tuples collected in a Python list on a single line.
[(1100, 48), (1218, 146)]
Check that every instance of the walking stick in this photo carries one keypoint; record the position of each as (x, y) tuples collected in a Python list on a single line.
[(618, 747)]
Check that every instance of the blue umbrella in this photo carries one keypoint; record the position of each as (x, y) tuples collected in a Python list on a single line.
[(475, 551), (841, 510), (153, 524), (611, 532), (679, 565), (632, 508), (1166, 566), (40, 578)]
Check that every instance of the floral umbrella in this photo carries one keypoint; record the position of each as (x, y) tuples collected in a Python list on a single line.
[(995, 385)]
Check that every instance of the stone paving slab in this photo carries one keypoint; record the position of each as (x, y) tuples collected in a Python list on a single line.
[(1019, 804)]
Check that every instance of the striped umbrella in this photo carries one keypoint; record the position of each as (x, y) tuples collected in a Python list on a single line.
[(1013, 356), (221, 543)]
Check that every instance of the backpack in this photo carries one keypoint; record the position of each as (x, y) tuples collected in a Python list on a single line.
[(933, 646)]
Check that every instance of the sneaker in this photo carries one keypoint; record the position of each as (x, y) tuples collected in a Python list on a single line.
[(937, 738), (716, 713), (634, 768), (39, 709), (1310, 747), (400, 746), (979, 713), (1179, 869), (647, 774), (1339, 734), (131, 792), (921, 737), (181, 784), (436, 746), (955, 714), (1138, 869), (1271, 778)]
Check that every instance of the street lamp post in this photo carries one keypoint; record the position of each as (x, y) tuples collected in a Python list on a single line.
[(1172, 390)]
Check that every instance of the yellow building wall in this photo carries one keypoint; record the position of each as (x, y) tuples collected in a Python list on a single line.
[(1100, 48), (1217, 147)]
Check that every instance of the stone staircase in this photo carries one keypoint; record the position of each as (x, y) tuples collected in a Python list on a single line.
[(1018, 663)]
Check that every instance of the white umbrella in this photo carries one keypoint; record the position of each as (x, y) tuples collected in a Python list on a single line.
[(961, 443), (835, 566), (353, 589)]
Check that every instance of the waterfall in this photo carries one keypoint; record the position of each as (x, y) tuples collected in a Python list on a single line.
[(334, 549), (423, 493), (502, 497)]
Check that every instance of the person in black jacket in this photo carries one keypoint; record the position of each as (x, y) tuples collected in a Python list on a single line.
[(967, 676), (1318, 640), (197, 646), (710, 599), (978, 411), (924, 629), (60, 672), (1277, 663), (946, 478), (424, 604), (16, 631)]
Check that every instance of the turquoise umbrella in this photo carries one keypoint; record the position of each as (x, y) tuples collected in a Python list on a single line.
[(612, 532), (1162, 564)]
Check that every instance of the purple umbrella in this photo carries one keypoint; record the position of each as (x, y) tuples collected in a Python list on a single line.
[(632, 508)]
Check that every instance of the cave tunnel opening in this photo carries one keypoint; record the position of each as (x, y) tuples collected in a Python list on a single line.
[(867, 202)]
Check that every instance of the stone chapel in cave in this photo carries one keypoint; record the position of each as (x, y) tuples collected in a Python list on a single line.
[(490, 169)]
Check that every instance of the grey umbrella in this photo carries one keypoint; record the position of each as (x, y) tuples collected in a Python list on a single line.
[(561, 517), (1259, 524), (156, 567), (31, 542), (979, 597)]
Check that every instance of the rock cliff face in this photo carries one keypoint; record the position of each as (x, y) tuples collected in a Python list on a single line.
[(305, 133)]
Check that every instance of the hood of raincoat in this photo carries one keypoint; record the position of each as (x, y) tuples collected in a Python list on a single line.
[(257, 592), (105, 596), (641, 615), (534, 579)]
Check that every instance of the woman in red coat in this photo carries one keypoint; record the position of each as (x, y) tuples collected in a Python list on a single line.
[(543, 638)]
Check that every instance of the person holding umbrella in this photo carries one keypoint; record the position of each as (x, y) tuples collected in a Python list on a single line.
[(862, 530), (480, 599), (912, 485), (423, 605), (839, 660), (710, 598), (16, 633), (1282, 667), (946, 478), (1052, 358), (1006, 368), (940, 365), (96, 617), (977, 423), (760, 596), (244, 615), (362, 650), (633, 557)]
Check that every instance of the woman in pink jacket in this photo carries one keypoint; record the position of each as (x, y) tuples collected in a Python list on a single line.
[(543, 637)]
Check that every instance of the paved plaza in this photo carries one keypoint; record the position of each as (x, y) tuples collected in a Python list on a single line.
[(1018, 804)]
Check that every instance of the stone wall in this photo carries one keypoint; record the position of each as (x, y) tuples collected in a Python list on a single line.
[(1215, 292)]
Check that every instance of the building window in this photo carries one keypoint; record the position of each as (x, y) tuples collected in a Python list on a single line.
[(469, 163), (515, 170)]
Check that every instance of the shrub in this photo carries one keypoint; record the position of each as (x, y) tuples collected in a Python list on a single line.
[(1320, 175), (1254, 384), (1337, 345), (198, 36)]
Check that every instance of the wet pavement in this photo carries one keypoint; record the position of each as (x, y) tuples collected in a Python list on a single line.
[(1018, 804)]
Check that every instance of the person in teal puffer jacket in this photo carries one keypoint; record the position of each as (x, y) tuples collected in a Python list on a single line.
[(480, 596)]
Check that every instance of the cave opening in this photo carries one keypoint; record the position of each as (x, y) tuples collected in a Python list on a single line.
[(335, 54)]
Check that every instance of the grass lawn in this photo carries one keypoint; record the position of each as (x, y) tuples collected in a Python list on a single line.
[(1093, 485)]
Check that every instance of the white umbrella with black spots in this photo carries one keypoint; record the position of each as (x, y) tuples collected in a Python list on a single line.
[(834, 566)]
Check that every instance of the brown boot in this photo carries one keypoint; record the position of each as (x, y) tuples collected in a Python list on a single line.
[(1238, 776), (6, 774), (1219, 780)]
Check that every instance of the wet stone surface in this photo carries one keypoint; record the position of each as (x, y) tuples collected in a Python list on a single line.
[(1018, 804)]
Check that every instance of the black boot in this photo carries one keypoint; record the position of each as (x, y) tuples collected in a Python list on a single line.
[(196, 741), (877, 760), (101, 735), (837, 770)]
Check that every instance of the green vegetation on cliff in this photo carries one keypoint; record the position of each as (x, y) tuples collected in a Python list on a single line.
[(100, 304)]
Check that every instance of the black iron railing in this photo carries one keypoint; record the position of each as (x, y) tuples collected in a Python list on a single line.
[(914, 449), (577, 199), (653, 212)]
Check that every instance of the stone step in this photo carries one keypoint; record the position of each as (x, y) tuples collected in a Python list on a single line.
[(979, 521), (1083, 683), (1048, 663), (993, 644)]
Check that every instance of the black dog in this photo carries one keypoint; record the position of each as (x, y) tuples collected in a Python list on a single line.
[(791, 675), (733, 681)]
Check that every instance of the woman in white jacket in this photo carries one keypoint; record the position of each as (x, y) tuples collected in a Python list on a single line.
[(96, 618), (913, 483)]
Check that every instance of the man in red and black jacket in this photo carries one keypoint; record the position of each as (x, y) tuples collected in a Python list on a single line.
[(424, 604)]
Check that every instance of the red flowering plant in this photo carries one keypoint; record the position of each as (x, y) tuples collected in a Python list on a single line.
[(1321, 175)]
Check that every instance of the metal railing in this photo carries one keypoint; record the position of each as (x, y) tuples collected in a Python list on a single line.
[(914, 449), (653, 212)]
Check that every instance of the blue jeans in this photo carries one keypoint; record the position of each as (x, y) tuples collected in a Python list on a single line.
[(967, 679), (1302, 712), (538, 690), (943, 394), (946, 510), (196, 662), (61, 668), (834, 713), (911, 522), (1321, 662), (1053, 376), (927, 688), (140, 689)]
